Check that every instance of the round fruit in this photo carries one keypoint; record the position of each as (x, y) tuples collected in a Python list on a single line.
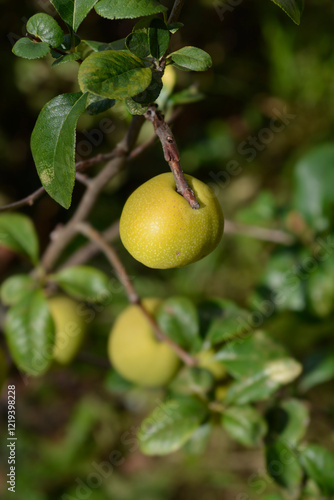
[(206, 360), (160, 229), (135, 352), (70, 328)]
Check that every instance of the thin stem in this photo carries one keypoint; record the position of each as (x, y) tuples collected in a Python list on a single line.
[(28, 200), (259, 233), (133, 297), (171, 154), (176, 10)]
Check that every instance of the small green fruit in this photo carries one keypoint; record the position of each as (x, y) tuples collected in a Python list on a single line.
[(135, 352), (206, 360), (70, 328), (160, 229)]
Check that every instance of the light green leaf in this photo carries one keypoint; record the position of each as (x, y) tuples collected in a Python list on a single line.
[(245, 424), (17, 233), (53, 145), (114, 74), (84, 282), (73, 56), (319, 465), (293, 8), (28, 49), (171, 425), (191, 58), (199, 440), (29, 331), (192, 380), (73, 12), (288, 421), (319, 368), (135, 108), (158, 37), (15, 288), (314, 178), (128, 9), (178, 318), (283, 465), (186, 96), (46, 29)]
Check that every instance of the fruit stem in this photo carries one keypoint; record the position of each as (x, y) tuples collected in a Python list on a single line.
[(171, 154), (133, 297)]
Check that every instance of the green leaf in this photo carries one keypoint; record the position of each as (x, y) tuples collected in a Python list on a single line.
[(74, 56), (319, 465), (178, 318), (319, 368), (320, 289), (152, 92), (261, 384), (135, 108), (288, 421), (28, 49), (73, 12), (17, 233), (250, 355), (171, 425), (128, 9), (84, 282), (15, 288), (222, 320), (158, 37), (29, 331), (114, 74), (283, 465), (99, 46), (53, 145), (245, 424), (314, 178), (191, 58), (97, 104), (293, 8), (199, 440), (174, 27), (46, 29), (186, 96), (192, 380), (137, 43)]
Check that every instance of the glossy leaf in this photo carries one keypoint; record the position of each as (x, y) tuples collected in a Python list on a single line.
[(84, 282), (97, 104), (293, 8), (17, 233), (178, 318), (191, 58), (244, 424), (15, 288), (73, 12), (283, 465), (171, 425), (46, 29), (319, 368), (318, 462), (114, 74), (128, 9), (158, 37), (29, 331), (28, 49), (288, 421), (137, 43), (314, 178), (53, 145)]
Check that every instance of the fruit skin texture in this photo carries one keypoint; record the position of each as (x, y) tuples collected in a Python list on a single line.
[(70, 328), (134, 351), (160, 229), (206, 360)]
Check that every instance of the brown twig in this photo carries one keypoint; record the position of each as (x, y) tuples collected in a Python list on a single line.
[(176, 10), (259, 233), (65, 234), (171, 154), (133, 297)]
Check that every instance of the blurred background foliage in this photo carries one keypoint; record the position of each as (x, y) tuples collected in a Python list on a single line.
[(264, 67)]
